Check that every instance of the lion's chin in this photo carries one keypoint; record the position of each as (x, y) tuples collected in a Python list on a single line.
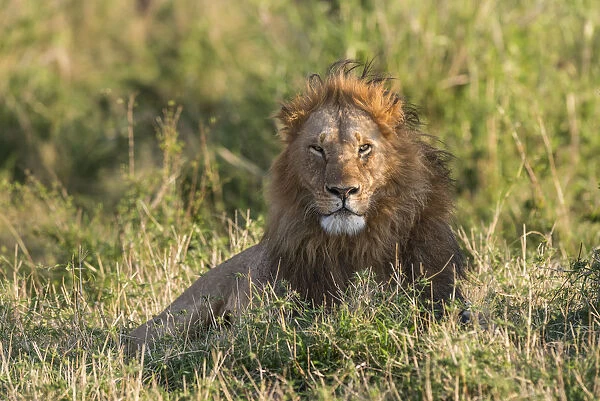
[(343, 223)]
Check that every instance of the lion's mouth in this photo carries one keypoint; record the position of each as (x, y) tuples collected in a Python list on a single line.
[(343, 211)]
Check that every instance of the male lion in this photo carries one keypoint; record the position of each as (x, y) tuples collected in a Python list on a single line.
[(354, 188)]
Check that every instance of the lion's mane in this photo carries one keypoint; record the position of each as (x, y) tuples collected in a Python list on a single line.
[(410, 229)]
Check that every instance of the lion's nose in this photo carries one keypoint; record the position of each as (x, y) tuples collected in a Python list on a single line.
[(342, 192)]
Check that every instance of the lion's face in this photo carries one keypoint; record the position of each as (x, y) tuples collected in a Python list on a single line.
[(342, 158)]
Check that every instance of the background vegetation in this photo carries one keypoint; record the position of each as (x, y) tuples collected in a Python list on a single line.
[(134, 141)]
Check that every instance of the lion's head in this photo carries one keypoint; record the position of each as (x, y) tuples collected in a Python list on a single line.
[(353, 153), (354, 181)]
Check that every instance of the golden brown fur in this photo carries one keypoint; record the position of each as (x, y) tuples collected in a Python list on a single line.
[(411, 225), (355, 187)]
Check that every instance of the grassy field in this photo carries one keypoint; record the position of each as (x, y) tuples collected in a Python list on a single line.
[(134, 143)]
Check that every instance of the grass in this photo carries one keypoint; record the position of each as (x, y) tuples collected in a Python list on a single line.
[(134, 140), (62, 341)]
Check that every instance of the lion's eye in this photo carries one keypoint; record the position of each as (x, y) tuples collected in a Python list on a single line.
[(317, 150), (365, 149)]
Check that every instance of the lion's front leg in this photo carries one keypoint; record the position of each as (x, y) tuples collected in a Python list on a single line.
[(185, 316), (223, 290)]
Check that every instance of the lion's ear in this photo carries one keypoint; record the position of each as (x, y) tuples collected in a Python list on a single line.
[(287, 121)]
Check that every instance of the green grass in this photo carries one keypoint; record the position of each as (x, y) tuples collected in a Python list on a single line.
[(92, 244)]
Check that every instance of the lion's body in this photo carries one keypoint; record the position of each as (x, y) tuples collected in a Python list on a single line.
[(354, 188)]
